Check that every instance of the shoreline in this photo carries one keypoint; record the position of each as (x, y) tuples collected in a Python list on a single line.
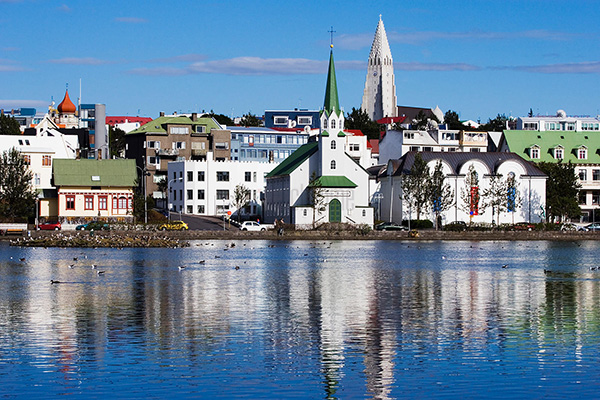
[(180, 239)]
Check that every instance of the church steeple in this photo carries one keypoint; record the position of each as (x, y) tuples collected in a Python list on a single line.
[(332, 103)]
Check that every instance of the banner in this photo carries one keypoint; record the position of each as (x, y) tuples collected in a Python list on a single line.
[(474, 206)]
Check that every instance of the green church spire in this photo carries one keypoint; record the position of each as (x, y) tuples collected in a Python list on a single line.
[(332, 104)]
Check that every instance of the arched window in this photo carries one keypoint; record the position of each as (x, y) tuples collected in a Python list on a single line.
[(333, 124), (332, 164), (325, 123), (333, 145)]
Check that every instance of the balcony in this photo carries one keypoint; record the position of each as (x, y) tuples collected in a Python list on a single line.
[(167, 152), (199, 152)]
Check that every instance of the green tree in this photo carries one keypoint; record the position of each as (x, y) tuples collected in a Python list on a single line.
[(316, 197), (222, 119), (9, 125), (422, 120), (562, 190), (250, 120), (440, 194), (241, 197), (116, 136), (497, 124), (452, 120), (17, 196), (359, 119), (415, 186)]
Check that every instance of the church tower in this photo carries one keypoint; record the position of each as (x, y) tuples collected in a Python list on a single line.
[(379, 96)]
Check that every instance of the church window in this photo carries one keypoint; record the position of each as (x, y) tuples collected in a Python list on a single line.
[(333, 124), (325, 124), (332, 164), (333, 145)]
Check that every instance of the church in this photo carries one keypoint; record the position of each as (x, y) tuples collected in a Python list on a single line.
[(320, 183)]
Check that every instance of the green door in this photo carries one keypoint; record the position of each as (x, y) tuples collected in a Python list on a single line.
[(335, 211)]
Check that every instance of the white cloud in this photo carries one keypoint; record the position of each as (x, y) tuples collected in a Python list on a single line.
[(591, 67), (416, 66), (79, 61)]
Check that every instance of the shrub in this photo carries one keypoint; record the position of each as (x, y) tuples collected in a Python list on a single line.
[(418, 224)]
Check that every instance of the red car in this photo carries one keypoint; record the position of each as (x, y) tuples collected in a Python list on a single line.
[(49, 226)]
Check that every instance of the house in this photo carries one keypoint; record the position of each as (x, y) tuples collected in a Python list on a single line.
[(559, 122), (320, 167), (265, 144), (530, 185), (580, 147), (302, 119), (91, 189)]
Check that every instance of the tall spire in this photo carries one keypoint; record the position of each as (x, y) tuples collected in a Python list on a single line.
[(332, 103)]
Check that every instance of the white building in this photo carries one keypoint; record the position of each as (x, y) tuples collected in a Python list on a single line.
[(207, 187), (379, 96), (530, 185), (559, 122)]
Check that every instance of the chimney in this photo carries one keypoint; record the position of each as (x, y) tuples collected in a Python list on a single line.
[(162, 114), (194, 117)]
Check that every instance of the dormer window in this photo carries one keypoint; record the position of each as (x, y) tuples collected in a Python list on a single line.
[(534, 152), (559, 153), (582, 153)]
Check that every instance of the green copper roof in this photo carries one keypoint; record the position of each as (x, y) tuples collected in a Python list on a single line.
[(159, 125), (332, 103), (121, 173), (288, 165), (520, 142), (328, 181)]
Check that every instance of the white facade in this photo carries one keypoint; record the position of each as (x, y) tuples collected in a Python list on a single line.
[(558, 122), (379, 96), (530, 184), (207, 187)]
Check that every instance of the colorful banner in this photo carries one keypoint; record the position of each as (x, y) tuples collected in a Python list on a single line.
[(474, 200)]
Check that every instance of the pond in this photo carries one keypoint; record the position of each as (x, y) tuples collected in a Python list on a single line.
[(302, 319)]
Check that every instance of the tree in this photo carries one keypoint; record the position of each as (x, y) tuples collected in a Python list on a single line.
[(421, 121), (470, 194), (316, 197), (250, 120), (441, 196), (17, 196), (241, 197), (415, 186), (359, 119), (451, 119), (222, 119), (116, 136), (562, 189), (530, 114), (496, 196), (513, 195), (9, 125), (497, 124)]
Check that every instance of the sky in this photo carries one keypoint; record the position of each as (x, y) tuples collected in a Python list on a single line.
[(478, 58)]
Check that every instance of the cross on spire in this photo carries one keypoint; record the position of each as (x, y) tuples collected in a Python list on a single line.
[(331, 32)]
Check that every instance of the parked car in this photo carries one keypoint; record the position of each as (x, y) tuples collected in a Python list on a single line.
[(390, 226), (523, 226), (174, 226), (455, 226), (49, 226), (590, 227), (252, 226), (93, 226)]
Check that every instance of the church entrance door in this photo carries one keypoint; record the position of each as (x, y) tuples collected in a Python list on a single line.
[(335, 211)]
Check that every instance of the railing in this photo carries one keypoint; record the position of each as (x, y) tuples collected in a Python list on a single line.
[(199, 152), (167, 152)]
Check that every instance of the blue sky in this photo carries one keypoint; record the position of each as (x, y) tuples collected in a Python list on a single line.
[(479, 58)]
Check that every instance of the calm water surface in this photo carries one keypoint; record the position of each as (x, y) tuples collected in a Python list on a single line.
[(304, 320)]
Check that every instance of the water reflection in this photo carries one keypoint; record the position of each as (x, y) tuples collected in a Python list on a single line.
[(300, 319)]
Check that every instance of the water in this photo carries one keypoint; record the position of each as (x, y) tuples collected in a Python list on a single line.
[(299, 319)]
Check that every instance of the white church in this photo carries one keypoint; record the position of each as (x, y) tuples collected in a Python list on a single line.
[(323, 166)]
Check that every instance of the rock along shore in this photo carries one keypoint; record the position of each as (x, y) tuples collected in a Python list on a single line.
[(180, 239)]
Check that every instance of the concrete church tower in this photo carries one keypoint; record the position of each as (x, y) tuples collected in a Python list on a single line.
[(379, 97)]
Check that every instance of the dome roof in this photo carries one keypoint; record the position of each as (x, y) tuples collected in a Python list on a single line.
[(66, 106)]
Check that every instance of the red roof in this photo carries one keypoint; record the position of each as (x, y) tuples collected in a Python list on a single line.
[(374, 143), (391, 120), (121, 120), (66, 106)]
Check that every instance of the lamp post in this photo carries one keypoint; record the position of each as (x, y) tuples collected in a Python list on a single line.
[(169, 193), (144, 174)]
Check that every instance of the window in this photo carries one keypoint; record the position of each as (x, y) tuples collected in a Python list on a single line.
[(200, 209), (582, 153), (179, 145), (596, 175), (200, 194), (279, 139), (46, 161), (534, 152), (428, 148), (153, 160), (222, 176), (364, 213), (409, 135), (254, 177), (333, 124), (582, 197), (190, 209), (200, 176), (530, 126), (333, 145), (221, 145), (558, 153), (414, 148), (583, 174), (475, 150), (248, 176), (595, 197), (304, 120), (190, 176), (178, 130), (89, 202), (281, 120), (325, 123), (27, 159), (200, 129), (37, 180), (70, 202), (354, 147), (332, 164), (153, 144), (102, 202), (190, 195), (222, 194), (304, 212)]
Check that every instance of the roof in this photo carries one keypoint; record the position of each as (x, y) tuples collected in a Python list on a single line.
[(124, 119), (328, 181), (411, 113), (374, 145), (332, 103), (391, 120), (520, 142), (66, 106), (457, 159), (301, 154), (159, 125), (84, 172)]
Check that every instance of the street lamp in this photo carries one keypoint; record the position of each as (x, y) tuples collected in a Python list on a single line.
[(169, 193), (144, 174)]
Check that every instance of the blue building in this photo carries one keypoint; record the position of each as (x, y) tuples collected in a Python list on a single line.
[(265, 144), (292, 119)]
